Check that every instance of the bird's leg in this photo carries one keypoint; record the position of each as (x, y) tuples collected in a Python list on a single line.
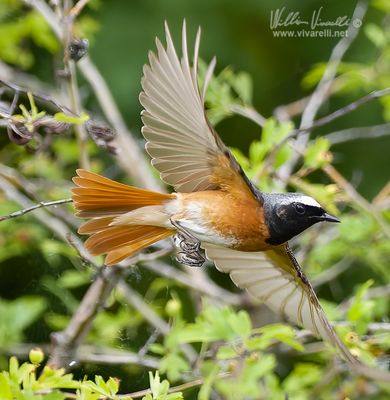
[(190, 245), (184, 239)]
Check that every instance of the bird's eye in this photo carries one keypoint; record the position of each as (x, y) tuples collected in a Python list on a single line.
[(299, 208)]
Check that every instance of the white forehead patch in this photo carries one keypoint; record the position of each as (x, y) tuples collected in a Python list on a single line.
[(309, 201)]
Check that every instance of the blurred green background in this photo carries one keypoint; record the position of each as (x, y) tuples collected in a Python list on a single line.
[(239, 34), (121, 33)]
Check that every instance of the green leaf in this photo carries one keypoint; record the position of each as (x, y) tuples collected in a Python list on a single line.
[(5, 388), (243, 86), (375, 34), (316, 153), (361, 310), (17, 315), (173, 364)]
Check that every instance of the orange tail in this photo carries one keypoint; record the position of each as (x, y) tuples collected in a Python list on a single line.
[(104, 200)]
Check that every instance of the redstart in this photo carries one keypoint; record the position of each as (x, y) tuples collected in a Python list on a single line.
[(245, 232)]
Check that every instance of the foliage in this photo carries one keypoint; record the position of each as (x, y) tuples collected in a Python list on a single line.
[(23, 382), (204, 349)]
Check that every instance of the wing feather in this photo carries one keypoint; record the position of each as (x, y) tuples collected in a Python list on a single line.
[(184, 147), (275, 277)]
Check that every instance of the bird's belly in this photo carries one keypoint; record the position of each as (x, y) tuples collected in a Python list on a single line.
[(221, 219)]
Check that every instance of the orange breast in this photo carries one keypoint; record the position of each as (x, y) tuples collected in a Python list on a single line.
[(232, 215)]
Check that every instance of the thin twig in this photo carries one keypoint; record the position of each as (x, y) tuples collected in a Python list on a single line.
[(32, 208), (65, 343), (379, 130), (71, 76), (151, 316), (358, 133), (348, 108), (77, 8), (356, 197), (130, 157), (248, 112), (332, 273), (140, 305), (207, 287), (58, 227), (92, 354), (323, 86)]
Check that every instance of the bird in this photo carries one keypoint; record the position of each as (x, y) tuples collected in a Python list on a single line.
[(214, 208)]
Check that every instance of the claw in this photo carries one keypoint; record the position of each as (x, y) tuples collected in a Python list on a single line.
[(185, 244), (191, 259)]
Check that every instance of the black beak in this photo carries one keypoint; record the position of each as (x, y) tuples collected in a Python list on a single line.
[(328, 217)]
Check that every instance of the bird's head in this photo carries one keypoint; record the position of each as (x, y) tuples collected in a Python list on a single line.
[(288, 214)]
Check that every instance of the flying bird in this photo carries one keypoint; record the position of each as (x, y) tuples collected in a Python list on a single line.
[(215, 206)]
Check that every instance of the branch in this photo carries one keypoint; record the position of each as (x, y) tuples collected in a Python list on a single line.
[(323, 87), (130, 156), (332, 272), (248, 112), (207, 287), (91, 354), (32, 208), (361, 132), (151, 316), (356, 197), (348, 108), (65, 343), (59, 228)]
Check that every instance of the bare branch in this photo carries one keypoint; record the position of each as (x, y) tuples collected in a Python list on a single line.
[(151, 316), (332, 273), (139, 304), (59, 228), (361, 132), (130, 156), (207, 287), (77, 8), (336, 56), (348, 108), (323, 86), (356, 197), (65, 343), (248, 112), (32, 208)]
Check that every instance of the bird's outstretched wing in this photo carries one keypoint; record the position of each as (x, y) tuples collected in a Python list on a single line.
[(276, 278), (184, 147)]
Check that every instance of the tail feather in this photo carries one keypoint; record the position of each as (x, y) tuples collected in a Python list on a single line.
[(97, 196), (120, 254), (104, 201), (116, 237)]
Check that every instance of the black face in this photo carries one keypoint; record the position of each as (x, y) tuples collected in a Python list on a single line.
[(286, 216)]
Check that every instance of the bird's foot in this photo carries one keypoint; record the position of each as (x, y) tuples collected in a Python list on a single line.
[(185, 243), (191, 259), (190, 246)]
